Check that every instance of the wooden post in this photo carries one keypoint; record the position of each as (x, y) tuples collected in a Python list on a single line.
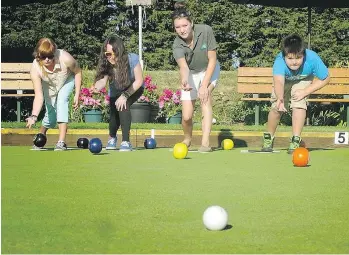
[(347, 106), (19, 105), (256, 111)]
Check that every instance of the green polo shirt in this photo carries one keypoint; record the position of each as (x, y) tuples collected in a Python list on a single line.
[(196, 58)]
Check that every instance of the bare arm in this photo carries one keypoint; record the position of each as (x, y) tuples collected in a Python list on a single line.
[(184, 73), (38, 98), (279, 87), (73, 65), (316, 85), (100, 84), (212, 61), (279, 83), (121, 102), (138, 80)]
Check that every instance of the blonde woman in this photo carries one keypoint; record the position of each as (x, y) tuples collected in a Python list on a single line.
[(54, 74)]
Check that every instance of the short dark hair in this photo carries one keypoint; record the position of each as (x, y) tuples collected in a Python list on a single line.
[(293, 44)]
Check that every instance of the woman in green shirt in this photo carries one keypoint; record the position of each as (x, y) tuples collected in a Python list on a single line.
[(194, 49)]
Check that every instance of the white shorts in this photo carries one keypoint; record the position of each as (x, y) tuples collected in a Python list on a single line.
[(195, 80)]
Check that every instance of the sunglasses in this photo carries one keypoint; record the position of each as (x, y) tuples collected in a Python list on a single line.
[(108, 54), (44, 57)]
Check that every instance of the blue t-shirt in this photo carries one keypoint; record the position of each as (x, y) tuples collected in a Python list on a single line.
[(133, 60), (312, 65)]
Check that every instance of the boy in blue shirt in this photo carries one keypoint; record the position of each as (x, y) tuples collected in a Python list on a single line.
[(294, 70)]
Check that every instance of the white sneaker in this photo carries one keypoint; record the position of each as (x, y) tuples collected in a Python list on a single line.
[(61, 146), (111, 145), (125, 146)]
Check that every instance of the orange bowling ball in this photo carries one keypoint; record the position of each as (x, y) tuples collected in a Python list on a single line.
[(300, 157)]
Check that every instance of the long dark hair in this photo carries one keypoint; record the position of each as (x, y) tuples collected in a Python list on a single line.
[(121, 70)]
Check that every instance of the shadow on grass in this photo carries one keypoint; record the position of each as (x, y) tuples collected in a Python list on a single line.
[(100, 154), (227, 227), (227, 134)]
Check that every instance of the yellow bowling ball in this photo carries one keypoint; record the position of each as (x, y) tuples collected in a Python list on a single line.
[(180, 150), (227, 144)]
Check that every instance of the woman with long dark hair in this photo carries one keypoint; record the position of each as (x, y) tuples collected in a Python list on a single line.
[(124, 73)]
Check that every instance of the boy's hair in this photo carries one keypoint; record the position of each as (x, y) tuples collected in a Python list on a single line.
[(293, 44)]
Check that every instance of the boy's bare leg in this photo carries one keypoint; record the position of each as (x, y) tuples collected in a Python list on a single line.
[(298, 119), (274, 117)]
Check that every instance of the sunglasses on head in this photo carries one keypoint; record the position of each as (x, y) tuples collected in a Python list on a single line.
[(108, 54), (48, 56)]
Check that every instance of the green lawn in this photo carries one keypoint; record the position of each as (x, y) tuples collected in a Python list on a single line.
[(148, 202)]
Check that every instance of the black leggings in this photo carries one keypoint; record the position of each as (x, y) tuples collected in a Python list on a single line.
[(122, 117)]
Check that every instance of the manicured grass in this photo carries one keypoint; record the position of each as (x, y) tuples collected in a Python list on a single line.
[(161, 126), (148, 202)]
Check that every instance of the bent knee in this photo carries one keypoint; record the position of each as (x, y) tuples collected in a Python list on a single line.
[(187, 117)]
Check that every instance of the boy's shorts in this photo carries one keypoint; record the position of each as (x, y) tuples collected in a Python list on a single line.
[(289, 89), (195, 80), (57, 108)]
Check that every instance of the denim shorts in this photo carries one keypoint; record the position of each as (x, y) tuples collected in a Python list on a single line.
[(57, 108)]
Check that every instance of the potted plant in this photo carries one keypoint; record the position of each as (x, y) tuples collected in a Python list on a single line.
[(146, 108), (171, 106), (151, 94), (93, 104)]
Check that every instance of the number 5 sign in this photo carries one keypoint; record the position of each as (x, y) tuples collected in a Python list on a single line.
[(341, 138)]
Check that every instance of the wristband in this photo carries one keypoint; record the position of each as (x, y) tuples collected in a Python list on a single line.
[(126, 94), (34, 117)]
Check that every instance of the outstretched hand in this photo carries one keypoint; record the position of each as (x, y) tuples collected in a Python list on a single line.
[(185, 85), (30, 122)]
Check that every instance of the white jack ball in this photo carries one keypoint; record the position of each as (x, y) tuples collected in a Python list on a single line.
[(215, 218)]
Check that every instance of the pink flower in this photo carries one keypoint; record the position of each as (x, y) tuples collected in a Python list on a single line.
[(91, 99), (85, 91)]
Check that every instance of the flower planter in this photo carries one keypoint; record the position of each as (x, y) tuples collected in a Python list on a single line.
[(140, 112), (154, 111), (93, 116), (175, 119)]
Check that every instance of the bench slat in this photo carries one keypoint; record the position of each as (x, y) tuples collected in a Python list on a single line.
[(15, 76), (245, 88), (17, 95), (253, 71), (14, 85), (245, 79), (15, 67), (268, 72), (332, 100)]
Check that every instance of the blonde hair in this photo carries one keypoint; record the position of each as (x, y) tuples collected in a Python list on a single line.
[(44, 47)]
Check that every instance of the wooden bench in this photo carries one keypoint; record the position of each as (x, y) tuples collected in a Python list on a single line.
[(15, 77), (255, 83)]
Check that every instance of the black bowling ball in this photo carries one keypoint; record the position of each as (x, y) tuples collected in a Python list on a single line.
[(40, 140), (82, 143)]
